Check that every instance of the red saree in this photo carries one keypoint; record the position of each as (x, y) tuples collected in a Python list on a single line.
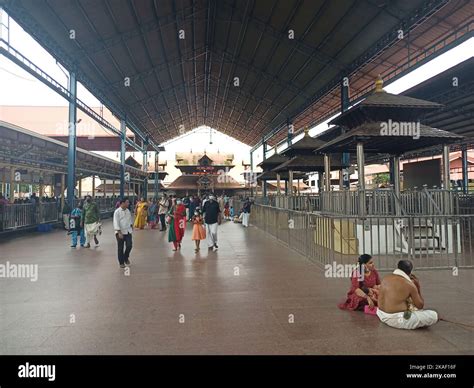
[(179, 222), (355, 302)]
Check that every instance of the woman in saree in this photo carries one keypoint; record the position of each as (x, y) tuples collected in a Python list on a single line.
[(177, 221), (365, 282), (141, 212)]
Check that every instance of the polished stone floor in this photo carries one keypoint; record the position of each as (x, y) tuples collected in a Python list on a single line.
[(252, 296)]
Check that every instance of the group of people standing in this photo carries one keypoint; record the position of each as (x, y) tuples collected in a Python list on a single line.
[(172, 213)]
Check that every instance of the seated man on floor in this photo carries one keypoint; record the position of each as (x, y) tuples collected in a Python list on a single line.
[(400, 302)]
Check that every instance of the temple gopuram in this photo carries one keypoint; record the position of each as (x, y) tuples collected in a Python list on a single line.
[(205, 173)]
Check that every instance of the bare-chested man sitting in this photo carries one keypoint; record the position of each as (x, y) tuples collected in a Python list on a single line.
[(400, 303)]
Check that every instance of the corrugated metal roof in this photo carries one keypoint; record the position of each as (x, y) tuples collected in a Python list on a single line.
[(238, 67)]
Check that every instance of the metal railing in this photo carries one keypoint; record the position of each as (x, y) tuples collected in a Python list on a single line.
[(26, 215), (15, 216), (378, 202), (430, 241)]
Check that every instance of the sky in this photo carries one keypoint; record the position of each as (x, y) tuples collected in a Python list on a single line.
[(24, 89)]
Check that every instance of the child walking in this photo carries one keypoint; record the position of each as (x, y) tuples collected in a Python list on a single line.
[(75, 228), (199, 232)]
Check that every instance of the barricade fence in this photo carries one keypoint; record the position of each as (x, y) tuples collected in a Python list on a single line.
[(430, 241), (26, 215), (376, 202)]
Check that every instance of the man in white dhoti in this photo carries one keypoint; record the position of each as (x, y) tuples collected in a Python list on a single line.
[(212, 218), (91, 221), (246, 212), (400, 304)]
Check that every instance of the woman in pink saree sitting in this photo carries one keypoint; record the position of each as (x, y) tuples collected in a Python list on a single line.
[(364, 289)]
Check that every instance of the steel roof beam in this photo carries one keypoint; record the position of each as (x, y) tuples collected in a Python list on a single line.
[(428, 8), (259, 40), (235, 54)]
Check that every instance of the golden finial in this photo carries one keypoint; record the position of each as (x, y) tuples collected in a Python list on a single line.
[(306, 131), (379, 85)]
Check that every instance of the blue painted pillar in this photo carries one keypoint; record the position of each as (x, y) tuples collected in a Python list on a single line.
[(250, 177), (123, 134), (71, 155), (157, 176), (465, 172)]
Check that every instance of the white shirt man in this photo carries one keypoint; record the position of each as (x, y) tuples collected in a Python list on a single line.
[(163, 209), (123, 226)]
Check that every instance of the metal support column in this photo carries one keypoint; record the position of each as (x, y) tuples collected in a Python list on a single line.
[(264, 182), (157, 175), (290, 182), (278, 184), (361, 178), (446, 179), (123, 134), (63, 184), (391, 172), (327, 172), (345, 102), (251, 177), (71, 156), (145, 169), (465, 172), (12, 185), (395, 164), (79, 188), (93, 186)]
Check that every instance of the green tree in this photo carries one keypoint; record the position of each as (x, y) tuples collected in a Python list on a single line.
[(382, 178)]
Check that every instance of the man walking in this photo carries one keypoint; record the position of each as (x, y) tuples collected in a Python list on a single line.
[(212, 214), (90, 221), (75, 226), (246, 212), (123, 231), (162, 210)]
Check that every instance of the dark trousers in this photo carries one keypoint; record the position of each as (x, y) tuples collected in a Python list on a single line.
[(127, 241), (163, 221)]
